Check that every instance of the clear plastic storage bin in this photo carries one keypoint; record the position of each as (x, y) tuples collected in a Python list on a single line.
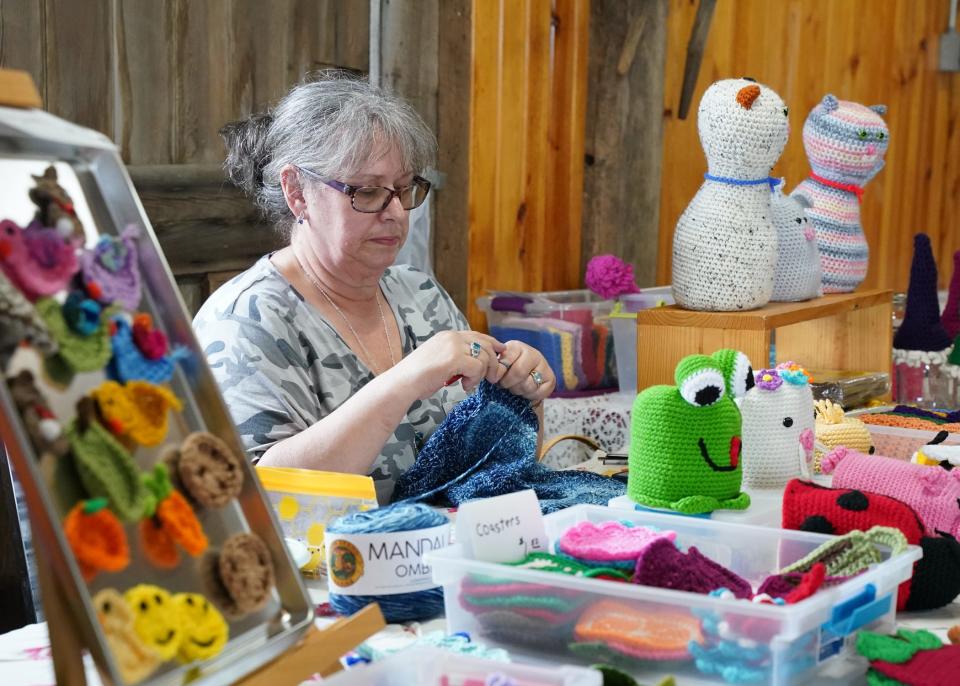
[(570, 328), (623, 321), (581, 619), (893, 441)]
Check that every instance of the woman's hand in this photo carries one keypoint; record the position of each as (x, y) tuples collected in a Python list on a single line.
[(471, 355), (525, 366)]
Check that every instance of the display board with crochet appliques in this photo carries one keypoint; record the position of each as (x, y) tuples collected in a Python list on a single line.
[(157, 551)]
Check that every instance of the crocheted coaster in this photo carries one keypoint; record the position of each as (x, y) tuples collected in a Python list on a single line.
[(37, 260), (545, 562), (130, 363), (105, 468), (78, 352), (662, 565), (240, 577), (931, 492), (96, 538), (133, 658), (911, 657), (544, 608), (205, 632), (648, 633), (852, 553), (625, 566), (45, 432), (208, 469), (20, 323), (138, 410), (608, 541), (685, 439), (512, 628), (474, 586), (111, 272), (156, 619)]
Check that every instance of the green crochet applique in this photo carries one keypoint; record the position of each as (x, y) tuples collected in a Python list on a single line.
[(77, 351), (545, 562), (853, 552)]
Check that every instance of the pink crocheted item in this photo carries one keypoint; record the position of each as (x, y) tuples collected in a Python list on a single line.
[(111, 272), (609, 541), (662, 565), (37, 260), (608, 276), (932, 492), (151, 342)]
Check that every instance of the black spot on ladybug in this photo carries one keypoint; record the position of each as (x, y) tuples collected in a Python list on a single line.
[(853, 500), (817, 524)]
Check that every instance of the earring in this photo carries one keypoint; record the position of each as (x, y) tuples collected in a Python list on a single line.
[(300, 218)]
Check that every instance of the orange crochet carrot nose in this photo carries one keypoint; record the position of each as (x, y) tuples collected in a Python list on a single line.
[(747, 95)]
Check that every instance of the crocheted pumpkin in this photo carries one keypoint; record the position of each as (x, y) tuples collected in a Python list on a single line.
[(725, 246)]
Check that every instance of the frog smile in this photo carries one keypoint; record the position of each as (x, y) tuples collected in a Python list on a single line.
[(734, 455)]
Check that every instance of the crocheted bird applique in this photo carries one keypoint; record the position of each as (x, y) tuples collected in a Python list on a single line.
[(685, 439), (55, 209), (110, 270), (36, 259), (136, 411), (80, 327), (141, 351)]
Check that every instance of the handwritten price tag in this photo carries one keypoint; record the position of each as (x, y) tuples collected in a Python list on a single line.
[(502, 529)]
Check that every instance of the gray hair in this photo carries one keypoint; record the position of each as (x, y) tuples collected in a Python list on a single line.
[(332, 125)]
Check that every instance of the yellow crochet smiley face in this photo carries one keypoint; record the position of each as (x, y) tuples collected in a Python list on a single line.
[(155, 618), (205, 632)]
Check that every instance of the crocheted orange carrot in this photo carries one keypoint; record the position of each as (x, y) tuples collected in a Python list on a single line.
[(174, 515), (96, 538)]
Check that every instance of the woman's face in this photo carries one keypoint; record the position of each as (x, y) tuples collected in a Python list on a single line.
[(343, 237)]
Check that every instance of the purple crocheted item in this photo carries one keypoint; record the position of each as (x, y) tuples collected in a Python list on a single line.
[(921, 328), (781, 585), (112, 270), (663, 566), (609, 277), (936, 416), (609, 541)]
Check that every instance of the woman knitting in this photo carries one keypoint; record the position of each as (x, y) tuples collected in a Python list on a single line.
[(329, 357)]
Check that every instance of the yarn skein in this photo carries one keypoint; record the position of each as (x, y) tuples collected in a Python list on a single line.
[(398, 517)]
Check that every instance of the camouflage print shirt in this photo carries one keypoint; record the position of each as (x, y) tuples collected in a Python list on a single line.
[(282, 367)]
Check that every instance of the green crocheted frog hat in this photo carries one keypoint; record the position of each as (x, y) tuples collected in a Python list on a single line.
[(685, 439)]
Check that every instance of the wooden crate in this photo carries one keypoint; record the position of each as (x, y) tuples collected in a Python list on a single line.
[(847, 331)]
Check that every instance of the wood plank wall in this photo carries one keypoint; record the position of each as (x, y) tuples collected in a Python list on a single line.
[(869, 51), (528, 100)]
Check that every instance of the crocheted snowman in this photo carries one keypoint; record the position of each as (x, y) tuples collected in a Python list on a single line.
[(845, 143), (777, 426), (798, 271), (725, 246)]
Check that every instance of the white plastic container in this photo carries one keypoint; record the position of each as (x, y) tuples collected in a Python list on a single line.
[(799, 641), (623, 321), (434, 667)]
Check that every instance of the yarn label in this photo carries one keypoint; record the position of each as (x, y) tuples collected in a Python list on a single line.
[(382, 564), (504, 528)]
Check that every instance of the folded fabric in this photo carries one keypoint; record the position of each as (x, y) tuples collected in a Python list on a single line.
[(660, 564), (487, 447), (558, 341)]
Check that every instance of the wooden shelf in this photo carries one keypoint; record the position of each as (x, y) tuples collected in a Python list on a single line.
[(846, 331)]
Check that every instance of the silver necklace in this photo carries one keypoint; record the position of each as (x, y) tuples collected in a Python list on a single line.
[(383, 320)]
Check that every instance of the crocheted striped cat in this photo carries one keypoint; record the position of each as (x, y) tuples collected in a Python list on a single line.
[(845, 144)]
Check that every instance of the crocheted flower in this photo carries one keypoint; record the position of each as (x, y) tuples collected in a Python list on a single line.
[(608, 276), (768, 379), (794, 374)]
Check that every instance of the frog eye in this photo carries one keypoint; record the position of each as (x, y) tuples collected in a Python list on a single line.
[(862, 134), (741, 378), (703, 388), (881, 135)]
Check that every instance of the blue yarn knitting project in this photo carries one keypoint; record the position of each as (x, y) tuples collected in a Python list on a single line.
[(487, 447)]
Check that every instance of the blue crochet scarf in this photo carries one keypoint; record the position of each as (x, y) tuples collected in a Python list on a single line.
[(487, 447)]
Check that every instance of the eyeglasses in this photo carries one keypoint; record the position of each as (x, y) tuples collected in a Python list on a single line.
[(372, 199)]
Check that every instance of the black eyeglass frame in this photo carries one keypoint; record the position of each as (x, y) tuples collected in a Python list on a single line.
[(352, 191)]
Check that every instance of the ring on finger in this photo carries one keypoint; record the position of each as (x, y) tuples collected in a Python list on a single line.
[(506, 365), (537, 378), (475, 349)]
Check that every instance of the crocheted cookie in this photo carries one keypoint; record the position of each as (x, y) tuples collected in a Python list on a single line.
[(608, 541), (138, 410), (134, 659), (725, 246), (777, 420), (662, 565), (651, 633), (205, 632), (240, 577), (685, 439), (208, 469), (45, 432), (105, 468), (97, 538), (845, 143), (156, 619), (111, 272)]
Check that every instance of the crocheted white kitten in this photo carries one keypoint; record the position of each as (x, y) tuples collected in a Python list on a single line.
[(798, 259)]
